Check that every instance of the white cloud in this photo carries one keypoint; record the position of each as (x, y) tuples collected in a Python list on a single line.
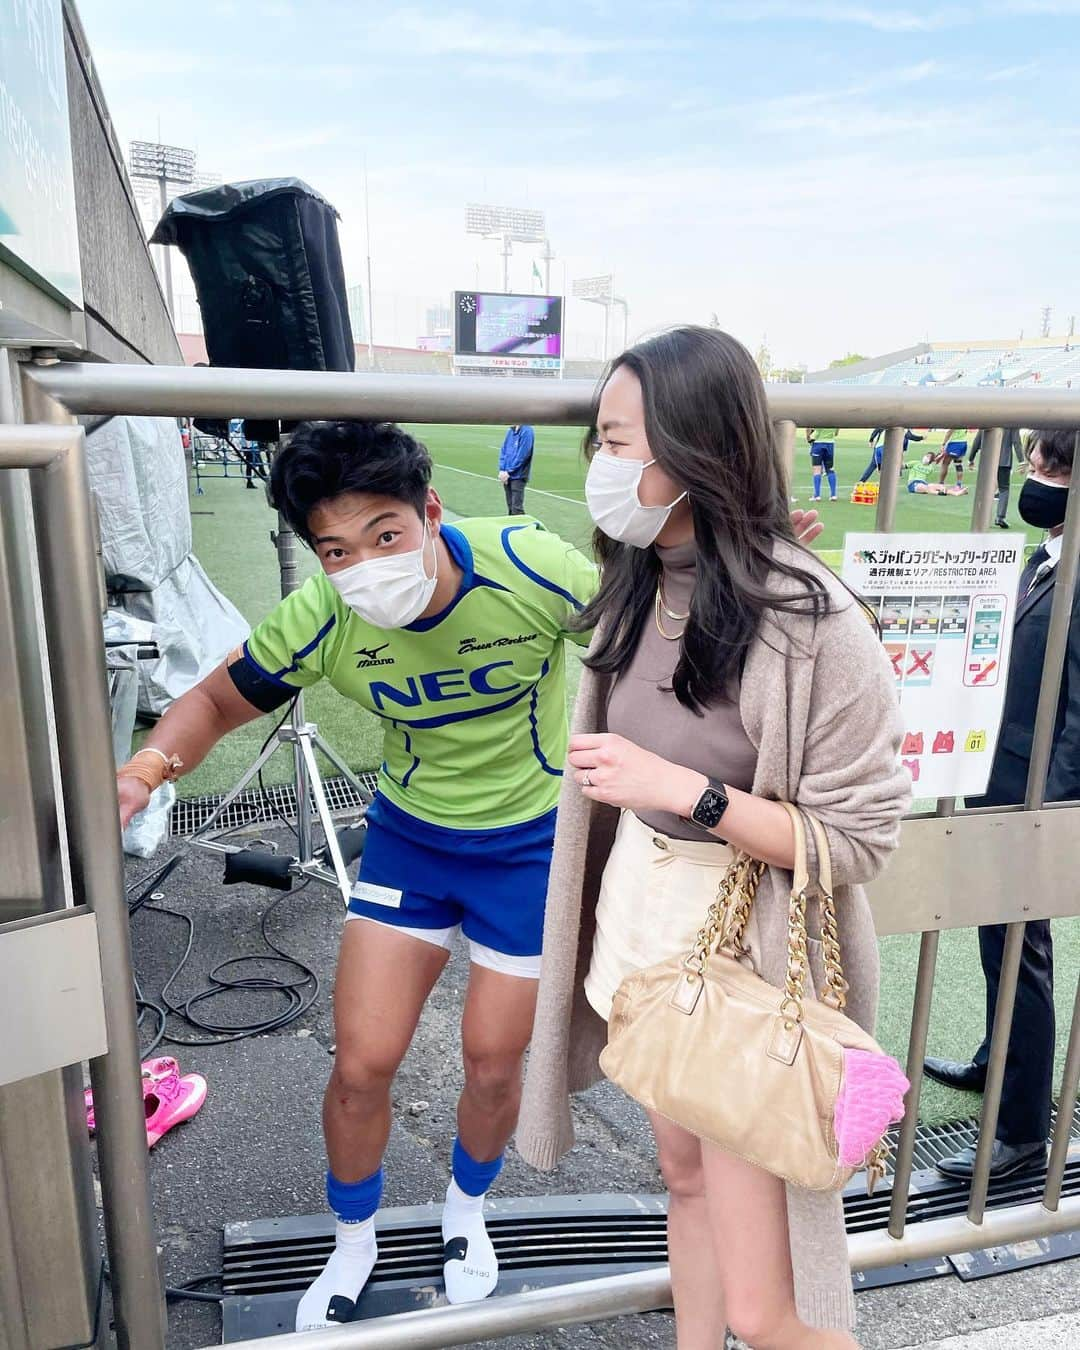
[(463, 32), (561, 82), (1011, 73), (1066, 9), (885, 18), (882, 18)]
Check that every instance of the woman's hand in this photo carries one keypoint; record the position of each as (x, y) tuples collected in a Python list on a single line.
[(613, 770), (133, 796), (807, 526)]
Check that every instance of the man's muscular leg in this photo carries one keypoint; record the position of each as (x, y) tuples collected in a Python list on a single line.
[(495, 1032), (383, 980)]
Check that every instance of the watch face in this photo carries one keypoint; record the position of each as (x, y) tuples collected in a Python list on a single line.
[(711, 806)]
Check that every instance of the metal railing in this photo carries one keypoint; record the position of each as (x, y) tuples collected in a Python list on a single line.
[(1023, 853)]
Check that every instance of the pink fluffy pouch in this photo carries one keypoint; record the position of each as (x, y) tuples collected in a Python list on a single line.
[(871, 1099)]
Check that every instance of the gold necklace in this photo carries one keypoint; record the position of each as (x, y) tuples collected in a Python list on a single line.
[(659, 609), (679, 618)]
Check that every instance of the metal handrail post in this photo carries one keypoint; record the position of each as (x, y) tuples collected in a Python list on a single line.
[(1070, 1081), (785, 442), (982, 508), (1057, 641), (892, 460), (461, 1324), (1057, 638), (920, 1026), (61, 497)]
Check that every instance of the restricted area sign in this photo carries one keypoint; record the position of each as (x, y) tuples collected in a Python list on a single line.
[(946, 604)]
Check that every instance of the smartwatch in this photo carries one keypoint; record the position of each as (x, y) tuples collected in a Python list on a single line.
[(710, 806)]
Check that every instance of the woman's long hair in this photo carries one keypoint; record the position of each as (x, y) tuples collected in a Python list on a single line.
[(708, 428)]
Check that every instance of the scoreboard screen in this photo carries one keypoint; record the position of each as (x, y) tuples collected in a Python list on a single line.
[(498, 325)]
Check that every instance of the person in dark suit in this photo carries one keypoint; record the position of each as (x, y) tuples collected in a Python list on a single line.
[(1024, 1120), (515, 464), (1011, 447)]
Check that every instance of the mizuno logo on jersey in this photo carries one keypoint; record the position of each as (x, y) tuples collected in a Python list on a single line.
[(370, 657), (471, 644)]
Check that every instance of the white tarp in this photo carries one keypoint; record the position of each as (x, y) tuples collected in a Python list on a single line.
[(138, 478)]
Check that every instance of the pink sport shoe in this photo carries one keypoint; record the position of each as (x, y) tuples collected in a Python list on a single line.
[(153, 1071), (171, 1101)]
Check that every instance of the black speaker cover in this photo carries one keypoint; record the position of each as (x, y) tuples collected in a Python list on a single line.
[(267, 268)]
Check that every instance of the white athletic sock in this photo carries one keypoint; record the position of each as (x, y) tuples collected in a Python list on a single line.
[(332, 1297), (470, 1266)]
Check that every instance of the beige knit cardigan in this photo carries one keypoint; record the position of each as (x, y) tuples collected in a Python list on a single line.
[(819, 703)]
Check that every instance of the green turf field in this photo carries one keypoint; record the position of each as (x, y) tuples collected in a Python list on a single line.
[(231, 528)]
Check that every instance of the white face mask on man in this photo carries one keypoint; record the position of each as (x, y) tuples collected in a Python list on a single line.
[(611, 494), (389, 592)]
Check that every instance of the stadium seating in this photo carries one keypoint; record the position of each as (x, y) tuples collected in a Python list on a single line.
[(1005, 365)]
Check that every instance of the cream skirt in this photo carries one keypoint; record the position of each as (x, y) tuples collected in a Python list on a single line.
[(654, 896)]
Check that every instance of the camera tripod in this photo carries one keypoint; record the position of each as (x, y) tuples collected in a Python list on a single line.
[(328, 863)]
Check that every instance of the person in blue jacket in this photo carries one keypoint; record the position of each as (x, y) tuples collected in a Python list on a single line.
[(515, 462)]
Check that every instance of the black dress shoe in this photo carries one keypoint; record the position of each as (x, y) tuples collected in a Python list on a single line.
[(966, 1077), (1004, 1161)]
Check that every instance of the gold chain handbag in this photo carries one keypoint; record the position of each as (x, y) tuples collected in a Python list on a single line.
[(788, 1083)]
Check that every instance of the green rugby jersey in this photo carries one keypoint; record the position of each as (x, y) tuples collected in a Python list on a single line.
[(473, 699)]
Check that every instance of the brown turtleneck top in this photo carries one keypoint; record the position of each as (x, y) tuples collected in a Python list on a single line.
[(643, 708)]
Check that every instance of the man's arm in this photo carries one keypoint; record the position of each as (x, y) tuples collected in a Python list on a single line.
[(504, 453), (190, 730)]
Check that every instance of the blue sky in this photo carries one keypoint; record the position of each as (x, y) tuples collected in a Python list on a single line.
[(828, 176)]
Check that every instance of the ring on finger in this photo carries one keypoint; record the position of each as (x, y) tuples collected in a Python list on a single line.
[(586, 781)]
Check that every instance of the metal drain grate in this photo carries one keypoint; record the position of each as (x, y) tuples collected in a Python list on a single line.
[(579, 1232), (555, 1240), (253, 806), (559, 1240), (934, 1142)]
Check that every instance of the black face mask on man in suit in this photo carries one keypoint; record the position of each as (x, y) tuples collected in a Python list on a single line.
[(1043, 504)]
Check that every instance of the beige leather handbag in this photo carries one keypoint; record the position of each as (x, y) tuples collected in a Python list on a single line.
[(788, 1083)]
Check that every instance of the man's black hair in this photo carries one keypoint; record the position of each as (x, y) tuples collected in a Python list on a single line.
[(325, 459), (1057, 449)]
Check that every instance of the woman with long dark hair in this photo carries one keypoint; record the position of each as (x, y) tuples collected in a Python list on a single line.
[(730, 670)]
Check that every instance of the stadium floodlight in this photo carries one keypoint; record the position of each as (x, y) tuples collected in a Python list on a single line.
[(164, 164), (149, 159), (601, 291), (511, 224)]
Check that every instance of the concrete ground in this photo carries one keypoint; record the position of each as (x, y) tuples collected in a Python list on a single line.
[(255, 1149)]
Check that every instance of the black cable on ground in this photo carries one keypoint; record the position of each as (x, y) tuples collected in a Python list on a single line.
[(299, 992), (187, 1290)]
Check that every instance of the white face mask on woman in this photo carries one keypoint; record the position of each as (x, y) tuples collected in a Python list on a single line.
[(389, 592), (611, 493)]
